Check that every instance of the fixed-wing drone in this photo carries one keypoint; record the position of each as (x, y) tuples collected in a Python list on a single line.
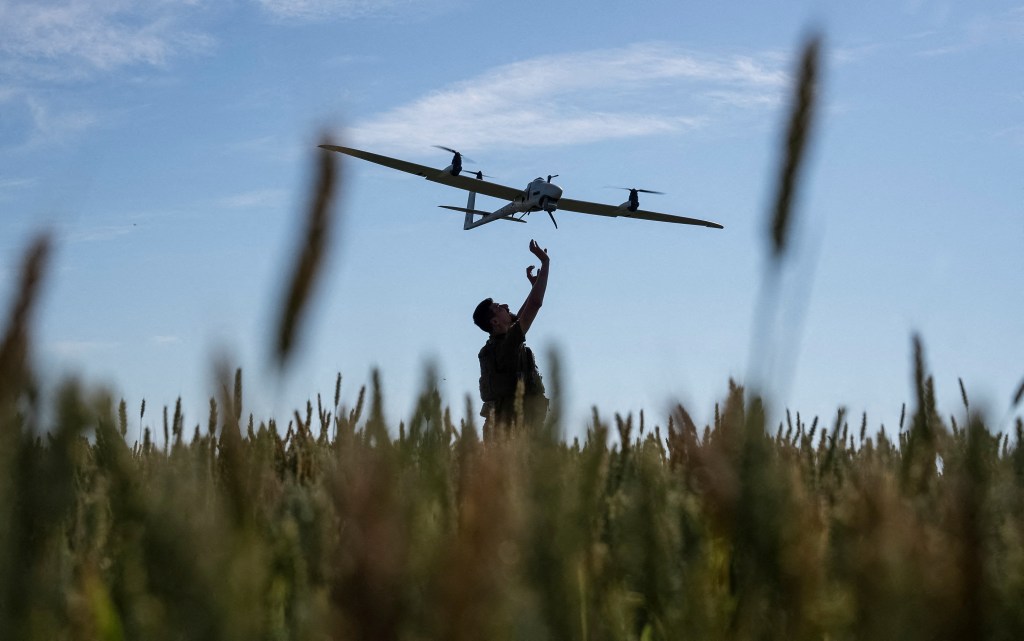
[(539, 195)]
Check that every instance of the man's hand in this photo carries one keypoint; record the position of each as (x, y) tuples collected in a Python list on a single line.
[(530, 275), (541, 254), (539, 283)]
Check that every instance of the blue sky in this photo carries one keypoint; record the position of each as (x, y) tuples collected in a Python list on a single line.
[(169, 144)]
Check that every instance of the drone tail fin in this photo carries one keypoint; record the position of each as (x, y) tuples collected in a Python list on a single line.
[(470, 206)]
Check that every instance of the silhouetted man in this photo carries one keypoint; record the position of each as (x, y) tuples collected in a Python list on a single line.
[(506, 363)]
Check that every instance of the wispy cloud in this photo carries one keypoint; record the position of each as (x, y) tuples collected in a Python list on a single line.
[(77, 349), (1005, 27), (166, 339), (348, 60), (50, 42), (97, 233), (583, 97), (986, 30), (1014, 134), (850, 54), (254, 199), (316, 10), (35, 122), (50, 126), (76, 35), (8, 185)]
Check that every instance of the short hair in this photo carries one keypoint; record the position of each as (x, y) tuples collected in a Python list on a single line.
[(482, 314)]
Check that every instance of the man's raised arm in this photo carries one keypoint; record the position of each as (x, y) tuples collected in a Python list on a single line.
[(535, 299)]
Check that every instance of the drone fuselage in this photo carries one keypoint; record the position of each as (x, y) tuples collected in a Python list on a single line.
[(539, 195), (542, 194)]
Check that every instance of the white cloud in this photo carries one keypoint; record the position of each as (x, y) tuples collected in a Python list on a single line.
[(166, 339), (1015, 134), (986, 30), (12, 184), (53, 41), (313, 10), (255, 198), (348, 60), (745, 99), (1005, 27), (98, 233), (576, 98), (68, 37), (77, 349), (855, 53), (49, 126)]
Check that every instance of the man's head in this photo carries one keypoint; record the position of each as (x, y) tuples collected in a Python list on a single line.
[(493, 318)]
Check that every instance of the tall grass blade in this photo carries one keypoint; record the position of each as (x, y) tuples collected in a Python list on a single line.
[(310, 255), (798, 134), (15, 342)]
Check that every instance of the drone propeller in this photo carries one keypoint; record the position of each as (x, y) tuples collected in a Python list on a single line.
[(555, 222), (457, 159), (453, 151), (479, 175), (640, 191), (634, 200)]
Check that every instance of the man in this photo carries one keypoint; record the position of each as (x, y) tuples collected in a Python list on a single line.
[(506, 363)]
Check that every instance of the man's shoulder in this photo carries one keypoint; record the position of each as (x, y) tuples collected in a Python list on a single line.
[(493, 341), (514, 336), (516, 333)]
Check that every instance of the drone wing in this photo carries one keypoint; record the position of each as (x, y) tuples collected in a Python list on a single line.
[(601, 209), (432, 173)]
